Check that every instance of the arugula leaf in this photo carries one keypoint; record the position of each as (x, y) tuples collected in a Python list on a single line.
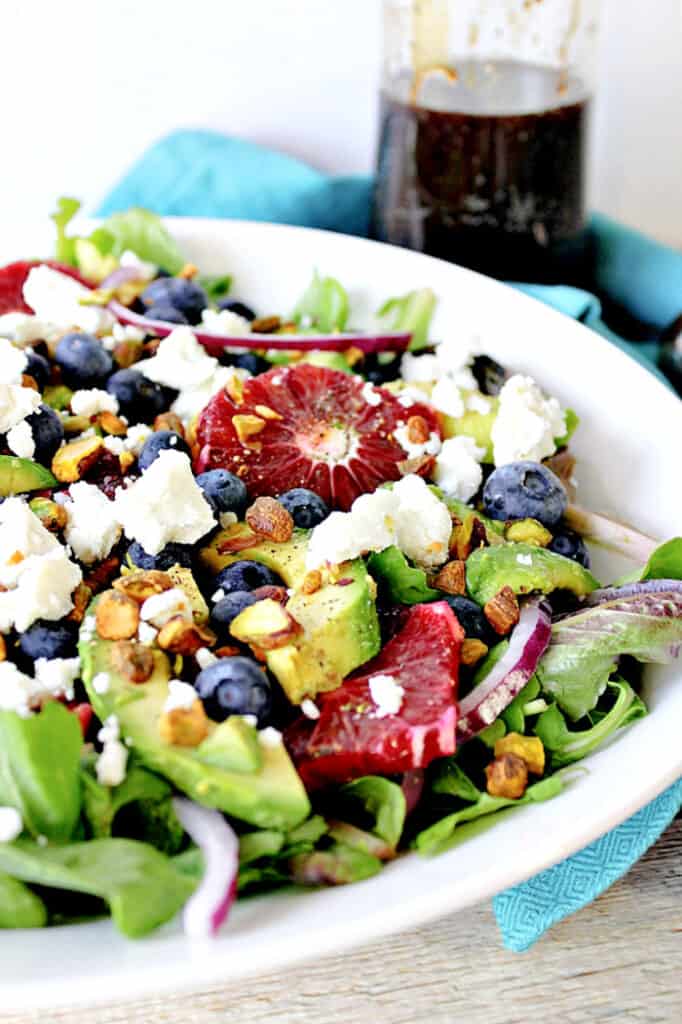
[(412, 312), (567, 745), (383, 800), (142, 887), (143, 232), (19, 906), (325, 304), (39, 769), (440, 836), (67, 208), (514, 715), (403, 582), (641, 619)]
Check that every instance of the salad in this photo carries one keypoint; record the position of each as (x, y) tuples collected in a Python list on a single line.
[(280, 599)]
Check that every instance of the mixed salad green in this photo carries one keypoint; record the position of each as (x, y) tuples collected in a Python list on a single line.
[(280, 599)]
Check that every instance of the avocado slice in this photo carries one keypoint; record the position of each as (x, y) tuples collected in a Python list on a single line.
[(231, 770), (17, 476), (340, 624), (525, 568), (331, 360), (477, 425)]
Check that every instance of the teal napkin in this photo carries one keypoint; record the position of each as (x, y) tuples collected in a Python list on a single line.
[(203, 174)]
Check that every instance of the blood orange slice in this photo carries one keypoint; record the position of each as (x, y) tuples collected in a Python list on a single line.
[(13, 276), (350, 739), (307, 426)]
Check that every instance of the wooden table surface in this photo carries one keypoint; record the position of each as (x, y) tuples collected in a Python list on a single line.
[(618, 960)]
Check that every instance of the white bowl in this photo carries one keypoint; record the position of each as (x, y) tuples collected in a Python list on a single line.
[(628, 447)]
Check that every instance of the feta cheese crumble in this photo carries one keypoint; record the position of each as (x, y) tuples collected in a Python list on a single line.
[(270, 737), (111, 763), (524, 559), (166, 504), (92, 528), (387, 695), (408, 515), (12, 362), (526, 424), (205, 658), (161, 608), (89, 401), (225, 322), (16, 403), (146, 634), (370, 394), (447, 398), (180, 362), (415, 450), (55, 676), (101, 682), (145, 271), (181, 696), (11, 824), (24, 329), (56, 298), (457, 471), (20, 440), (310, 709)]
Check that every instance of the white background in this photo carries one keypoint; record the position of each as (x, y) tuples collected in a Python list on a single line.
[(88, 84)]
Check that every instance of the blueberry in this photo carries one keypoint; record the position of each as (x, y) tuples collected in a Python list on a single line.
[(84, 362), (187, 297), (471, 618), (246, 575), (239, 308), (381, 370), (306, 508), (224, 491), (162, 311), (140, 400), (48, 433), (45, 639), (161, 440), (172, 554), (251, 362), (229, 607), (38, 367), (235, 686), (570, 545), (525, 490), (490, 376)]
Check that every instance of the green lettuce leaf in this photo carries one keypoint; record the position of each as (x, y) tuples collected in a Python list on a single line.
[(144, 233), (64, 250), (19, 906), (216, 286), (572, 423), (40, 769), (443, 834), (566, 745), (585, 646), (325, 304), (412, 312), (665, 563), (142, 887), (404, 583)]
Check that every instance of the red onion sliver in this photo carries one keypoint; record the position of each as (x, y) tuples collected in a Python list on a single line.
[(391, 341), (412, 786), (527, 643), (206, 910), (122, 275)]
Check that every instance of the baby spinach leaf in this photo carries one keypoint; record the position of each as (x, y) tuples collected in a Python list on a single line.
[(404, 583), (450, 779), (254, 845), (142, 887), (568, 745), (338, 865), (141, 808), (19, 906), (39, 769), (382, 800)]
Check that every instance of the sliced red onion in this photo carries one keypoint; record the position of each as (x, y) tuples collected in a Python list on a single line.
[(388, 341), (527, 643), (412, 786), (206, 910), (122, 275)]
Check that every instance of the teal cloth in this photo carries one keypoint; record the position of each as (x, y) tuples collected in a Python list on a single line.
[(203, 174)]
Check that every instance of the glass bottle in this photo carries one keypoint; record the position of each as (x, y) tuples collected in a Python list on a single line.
[(484, 122)]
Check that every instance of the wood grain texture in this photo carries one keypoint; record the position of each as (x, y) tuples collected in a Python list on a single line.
[(617, 960)]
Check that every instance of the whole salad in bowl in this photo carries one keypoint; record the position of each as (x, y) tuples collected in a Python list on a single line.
[(280, 599)]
